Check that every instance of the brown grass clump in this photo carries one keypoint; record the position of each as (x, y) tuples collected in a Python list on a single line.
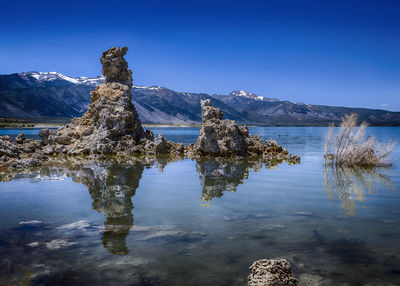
[(350, 146)]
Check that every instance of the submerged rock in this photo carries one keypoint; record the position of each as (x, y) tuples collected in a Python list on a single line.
[(59, 243), (273, 272), (26, 163)]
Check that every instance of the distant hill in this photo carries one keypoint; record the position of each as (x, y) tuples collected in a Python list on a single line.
[(38, 95), (35, 94)]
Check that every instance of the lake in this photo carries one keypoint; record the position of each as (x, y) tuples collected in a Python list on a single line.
[(188, 222)]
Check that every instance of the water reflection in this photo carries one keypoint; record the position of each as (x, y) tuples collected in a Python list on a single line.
[(217, 176), (351, 185), (112, 188), (111, 184)]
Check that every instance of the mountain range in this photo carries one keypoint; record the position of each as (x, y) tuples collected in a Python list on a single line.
[(52, 95)]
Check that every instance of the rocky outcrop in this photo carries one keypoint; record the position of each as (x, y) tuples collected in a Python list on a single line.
[(273, 272), (220, 137), (24, 153), (111, 125), (111, 118), (20, 138), (164, 147), (7, 148), (225, 138)]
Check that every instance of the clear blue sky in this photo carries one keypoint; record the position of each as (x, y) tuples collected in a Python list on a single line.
[(334, 52)]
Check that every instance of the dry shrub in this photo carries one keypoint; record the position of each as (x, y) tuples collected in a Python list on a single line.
[(350, 146)]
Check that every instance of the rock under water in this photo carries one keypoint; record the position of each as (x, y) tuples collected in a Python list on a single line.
[(273, 272)]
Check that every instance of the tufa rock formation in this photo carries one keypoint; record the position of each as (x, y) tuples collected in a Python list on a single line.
[(224, 138), (220, 137), (111, 123), (24, 153), (273, 272)]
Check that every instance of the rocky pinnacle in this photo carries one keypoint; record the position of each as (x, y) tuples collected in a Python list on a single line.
[(115, 67), (111, 123)]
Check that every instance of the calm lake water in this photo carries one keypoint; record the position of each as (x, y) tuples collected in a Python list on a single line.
[(202, 222)]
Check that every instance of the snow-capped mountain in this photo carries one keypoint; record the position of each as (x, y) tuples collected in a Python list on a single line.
[(243, 93), (53, 76), (246, 94), (54, 95), (45, 94)]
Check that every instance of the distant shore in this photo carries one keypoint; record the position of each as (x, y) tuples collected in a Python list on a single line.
[(59, 122), (24, 124)]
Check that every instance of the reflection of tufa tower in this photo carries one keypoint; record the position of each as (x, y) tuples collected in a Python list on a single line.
[(217, 176), (111, 188)]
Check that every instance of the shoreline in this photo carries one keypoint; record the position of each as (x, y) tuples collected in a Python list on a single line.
[(57, 125), (32, 123)]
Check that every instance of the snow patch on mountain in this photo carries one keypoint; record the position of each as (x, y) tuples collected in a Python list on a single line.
[(52, 76), (147, 87), (242, 93), (246, 94), (93, 81)]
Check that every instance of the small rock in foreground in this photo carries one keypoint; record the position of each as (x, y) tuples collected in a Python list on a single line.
[(273, 272)]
